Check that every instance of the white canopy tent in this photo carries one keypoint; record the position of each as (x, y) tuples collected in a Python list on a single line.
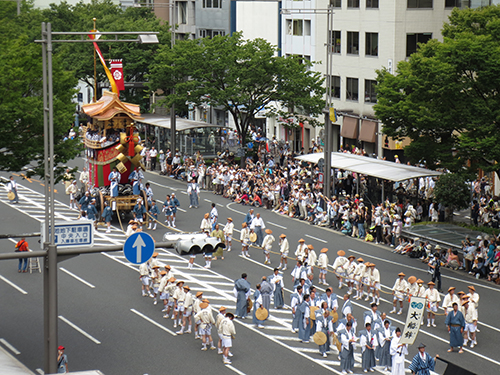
[(384, 169)]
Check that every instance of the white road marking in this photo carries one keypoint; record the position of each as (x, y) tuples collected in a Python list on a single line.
[(277, 225), (235, 369), (163, 186), (10, 347), (232, 209), (316, 238), (153, 322), (13, 285), (74, 326), (184, 192), (77, 277), (40, 371), (207, 200)]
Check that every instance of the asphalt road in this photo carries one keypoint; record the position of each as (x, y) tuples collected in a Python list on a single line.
[(105, 324)]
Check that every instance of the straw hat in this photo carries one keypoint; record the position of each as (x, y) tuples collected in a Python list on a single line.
[(460, 293), (451, 288), (319, 338), (261, 313), (471, 287), (341, 253), (282, 235), (156, 266), (163, 273), (465, 301), (420, 281), (186, 287), (222, 308), (351, 257), (167, 266), (199, 294), (205, 300), (203, 305), (431, 283), (361, 260), (172, 279), (412, 279), (268, 231), (302, 240), (324, 250), (437, 247), (310, 247), (244, 225), (179, 282), (401, 274), (155, 254), (206, 216)]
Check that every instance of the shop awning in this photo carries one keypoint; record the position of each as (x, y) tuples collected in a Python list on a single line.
[(368, 131), (384, 169), (180, 123), (349, 128)]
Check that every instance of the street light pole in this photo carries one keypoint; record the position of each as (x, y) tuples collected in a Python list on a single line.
[(50, 315), (173, 124)]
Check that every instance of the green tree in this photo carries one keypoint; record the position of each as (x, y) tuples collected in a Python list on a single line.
[(445, 98), (79, 57), (240, 76), (21, 102), (453, 192)]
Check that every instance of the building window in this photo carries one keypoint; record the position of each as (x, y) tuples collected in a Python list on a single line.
[(212, 3), (457, 4), (352, 89), (371, 44), (370, 94), (335, 87), (307, 27), (419, 3), (182, 12), (336, 41), (208, 33), (353, 3), (353, 42), (336, 3), (298, 28), (372, 4), (413, 39)]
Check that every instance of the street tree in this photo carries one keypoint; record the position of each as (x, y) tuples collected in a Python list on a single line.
[(445, 97), (21, 101), (452, 191), (242, 77)]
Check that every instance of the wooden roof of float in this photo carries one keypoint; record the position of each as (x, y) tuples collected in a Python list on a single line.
[(109, 106)]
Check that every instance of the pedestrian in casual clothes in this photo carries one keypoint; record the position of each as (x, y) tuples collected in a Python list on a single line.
[(62, 361), (23, 262)]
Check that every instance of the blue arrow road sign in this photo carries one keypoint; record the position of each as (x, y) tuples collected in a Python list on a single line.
[(138, 248)]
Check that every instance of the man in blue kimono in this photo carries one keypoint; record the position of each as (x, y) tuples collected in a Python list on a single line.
[(154, 212), (139, 212), (266, 290), (456, 323), (276, 281), (114, 179), (324, 324), (295, 301), (241, 291), (422, 363), (137, 187), (304, 322), (175, 203), (107, 216), (84, 202), (92, 212)]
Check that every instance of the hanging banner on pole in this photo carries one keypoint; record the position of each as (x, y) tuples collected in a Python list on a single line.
[(117, 72), (414, 318)]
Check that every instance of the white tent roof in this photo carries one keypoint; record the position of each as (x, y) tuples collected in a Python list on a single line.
[(180, 123), (384, 169)]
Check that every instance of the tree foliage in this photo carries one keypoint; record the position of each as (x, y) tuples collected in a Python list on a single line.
[(239, 76), (445, 97), (21, 101), (452, 191)]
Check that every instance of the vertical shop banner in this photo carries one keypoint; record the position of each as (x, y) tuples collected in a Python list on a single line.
[(117, 72), (414, 318)]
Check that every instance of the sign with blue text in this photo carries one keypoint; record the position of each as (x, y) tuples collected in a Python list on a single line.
[(70, 233), (139, 248)]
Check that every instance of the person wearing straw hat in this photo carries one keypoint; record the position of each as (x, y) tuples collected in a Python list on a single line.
[(350, 268), (161, 289), (399, 291), (71, 190), (449, 299), (398, 352), (207, 320), (359, 273), (242, 289), (205, 223), (433, 299), (323, 266), (267, 245), (311, 258), (456, 324), (170, 290), (374, 282), (300, 252), (470, 315), (218, 320), (228, 233), (155, 280), (196, 309), (284, 248), (245, 240), (473, 295), (276, 281), (179, 299), (338, 267), (228, 332), (188, 311), (412, 287), (422, 363), (144, 277), (218, 233), (368, 342)]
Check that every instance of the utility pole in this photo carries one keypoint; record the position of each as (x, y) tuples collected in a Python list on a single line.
[(173, 129)]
